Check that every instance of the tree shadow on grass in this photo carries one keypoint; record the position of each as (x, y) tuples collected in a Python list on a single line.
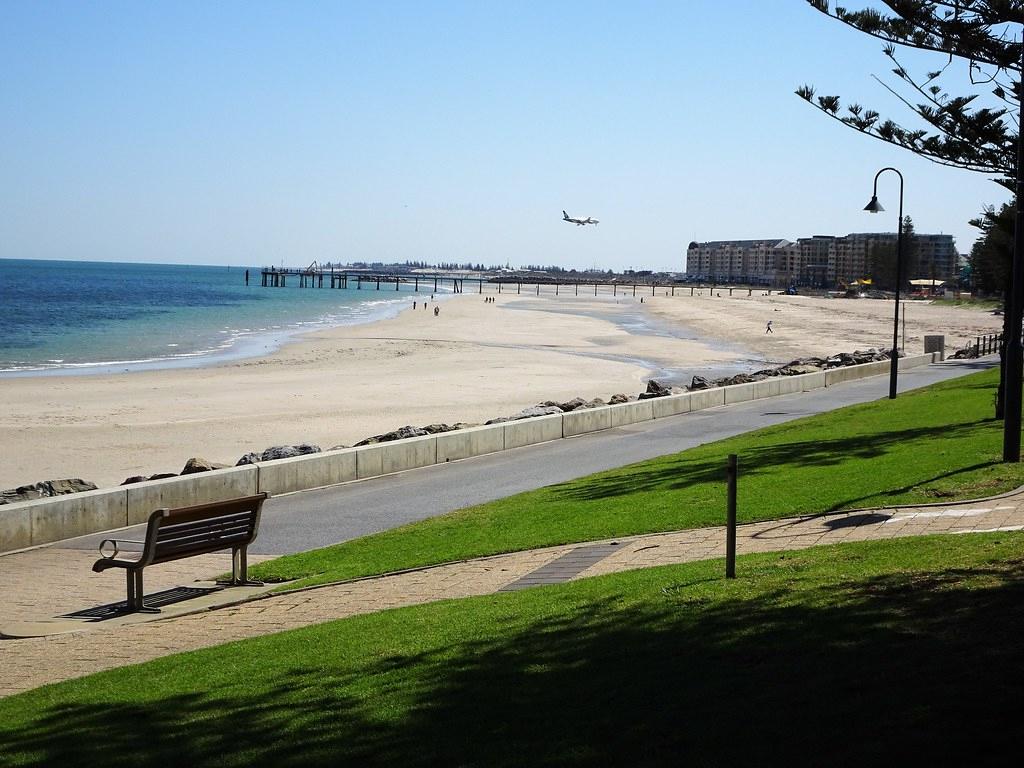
[(902, 668), (680, 472)]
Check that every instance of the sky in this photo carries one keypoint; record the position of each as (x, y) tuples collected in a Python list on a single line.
[(257, 133)]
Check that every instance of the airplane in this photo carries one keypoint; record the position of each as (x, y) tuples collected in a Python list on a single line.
[(578, 222)]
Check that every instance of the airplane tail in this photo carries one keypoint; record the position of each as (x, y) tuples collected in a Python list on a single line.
[(565, 215)]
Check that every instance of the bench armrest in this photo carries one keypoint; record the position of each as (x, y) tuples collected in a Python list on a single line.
[(115, 544)]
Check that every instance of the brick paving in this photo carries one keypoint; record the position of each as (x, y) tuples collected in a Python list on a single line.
[(57, 580)]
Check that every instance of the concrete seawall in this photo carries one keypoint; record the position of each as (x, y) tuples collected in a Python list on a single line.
[(41, 521)]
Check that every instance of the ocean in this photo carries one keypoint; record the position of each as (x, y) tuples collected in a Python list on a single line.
[(91, 317)]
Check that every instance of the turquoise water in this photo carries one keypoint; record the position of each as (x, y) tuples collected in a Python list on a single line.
[(83, 317)]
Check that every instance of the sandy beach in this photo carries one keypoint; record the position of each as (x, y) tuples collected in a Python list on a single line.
[(472, 362)]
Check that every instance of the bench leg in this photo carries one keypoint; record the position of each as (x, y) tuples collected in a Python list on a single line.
[(135, 593), (239, 570)]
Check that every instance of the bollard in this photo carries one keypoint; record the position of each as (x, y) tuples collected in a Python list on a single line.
[(730, 527)]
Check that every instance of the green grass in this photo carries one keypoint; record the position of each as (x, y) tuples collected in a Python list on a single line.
[(936, 444), (896, 652), (985, 305)]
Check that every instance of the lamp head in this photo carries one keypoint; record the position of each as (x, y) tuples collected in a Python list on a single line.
[(874, 206)]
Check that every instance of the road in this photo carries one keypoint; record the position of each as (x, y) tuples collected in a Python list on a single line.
[(301, 521)]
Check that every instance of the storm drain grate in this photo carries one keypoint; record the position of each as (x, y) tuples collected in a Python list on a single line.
[(564, 568), (155, 600)]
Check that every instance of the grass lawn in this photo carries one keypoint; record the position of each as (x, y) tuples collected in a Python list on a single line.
[(875, 653), (935, 444), (986, 305)]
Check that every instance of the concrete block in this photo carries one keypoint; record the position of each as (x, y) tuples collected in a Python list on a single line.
[(540, 429), (707, 398), (913, 361), (671, 405), (739, 393), (586, 420), (631, 413), (76, 514), (313, 470), (15, 526), (787, 385), (763, 388), (396, 456), (369, 461), (200, 488), (475, 441), (835, 376), (809, 381)]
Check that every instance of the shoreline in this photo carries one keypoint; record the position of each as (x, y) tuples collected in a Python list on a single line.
[(475, 361), (242, 347)]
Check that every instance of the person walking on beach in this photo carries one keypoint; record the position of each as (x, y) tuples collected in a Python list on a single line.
[(437, 311), (768, 328)]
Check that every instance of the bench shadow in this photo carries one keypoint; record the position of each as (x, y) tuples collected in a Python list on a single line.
[(157, 600), (927, 663)]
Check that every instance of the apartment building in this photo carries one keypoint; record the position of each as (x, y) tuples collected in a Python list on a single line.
[(820, 261), (758, 262)]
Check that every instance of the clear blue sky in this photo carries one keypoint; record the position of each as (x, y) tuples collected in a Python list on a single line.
[(257, 132)]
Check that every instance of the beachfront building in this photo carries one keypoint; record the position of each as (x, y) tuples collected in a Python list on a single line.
[(815, 255), (818, 261), (755, 262)]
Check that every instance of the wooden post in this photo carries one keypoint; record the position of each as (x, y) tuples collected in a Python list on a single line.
[(481, 285), (730, 533), (577, 287)]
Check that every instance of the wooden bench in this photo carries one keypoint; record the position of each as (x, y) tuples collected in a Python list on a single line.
[(172, 534)]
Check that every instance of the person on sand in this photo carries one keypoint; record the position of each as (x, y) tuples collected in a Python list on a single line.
[(437, 311), (414, 305), (768, 328)]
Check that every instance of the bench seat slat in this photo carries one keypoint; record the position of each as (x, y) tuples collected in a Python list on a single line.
[(193, 529)]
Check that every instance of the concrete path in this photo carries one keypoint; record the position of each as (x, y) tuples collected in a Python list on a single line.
[(29, 663)]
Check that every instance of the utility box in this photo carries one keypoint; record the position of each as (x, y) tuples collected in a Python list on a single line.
[(935, 344)]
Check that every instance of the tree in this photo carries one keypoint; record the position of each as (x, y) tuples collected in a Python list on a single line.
[(960, 131), (992, 254)]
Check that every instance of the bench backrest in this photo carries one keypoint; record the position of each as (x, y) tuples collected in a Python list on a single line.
[(176, 533)]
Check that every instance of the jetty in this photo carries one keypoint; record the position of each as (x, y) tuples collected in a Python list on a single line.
[(318, 277)]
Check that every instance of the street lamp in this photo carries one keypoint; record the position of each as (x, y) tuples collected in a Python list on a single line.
[(874, 207)]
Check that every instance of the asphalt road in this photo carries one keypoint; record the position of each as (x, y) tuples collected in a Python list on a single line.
[(309, 519)]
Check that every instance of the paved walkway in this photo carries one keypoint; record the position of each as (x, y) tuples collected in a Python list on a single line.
[(60, 583)]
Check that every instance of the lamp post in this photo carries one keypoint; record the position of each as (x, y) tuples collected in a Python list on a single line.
[(875, 207)]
